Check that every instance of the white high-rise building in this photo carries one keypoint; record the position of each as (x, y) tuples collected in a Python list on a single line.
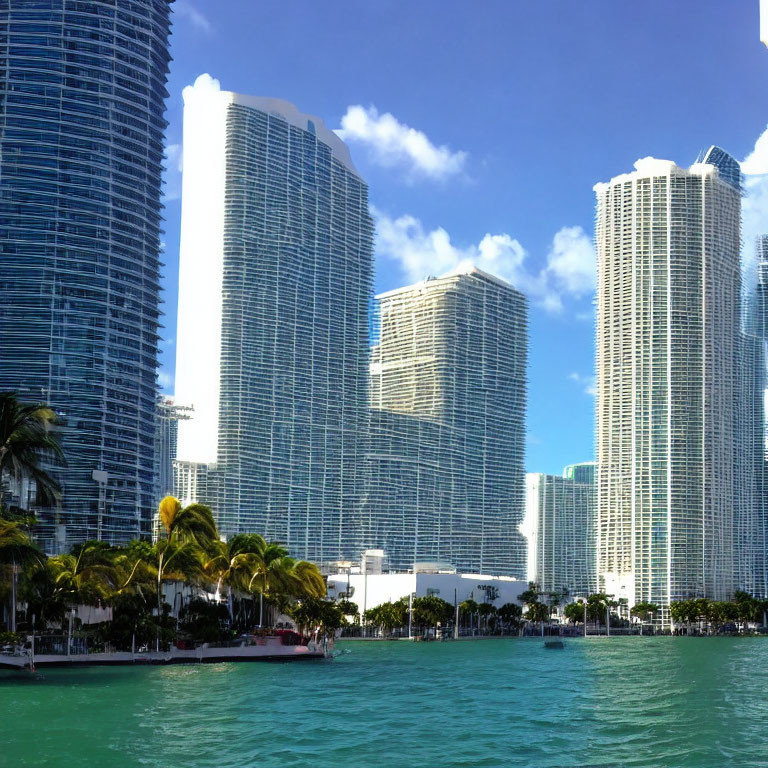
[(668, 311), (444, 466), (560, 512), (275, 279)]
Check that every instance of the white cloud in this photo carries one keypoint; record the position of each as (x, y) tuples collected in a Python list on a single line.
[(589, 383), (392, 144), (571, 261), (754, 209), (185, 10), (421, 253)]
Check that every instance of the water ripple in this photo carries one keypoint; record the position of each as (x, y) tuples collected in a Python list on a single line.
[(639, 702)]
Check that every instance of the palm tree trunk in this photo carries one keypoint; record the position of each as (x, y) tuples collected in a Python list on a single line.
[(13, 596), (261, 608), (159, 598)]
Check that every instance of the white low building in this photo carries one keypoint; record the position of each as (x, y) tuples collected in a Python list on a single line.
[(370, 590)]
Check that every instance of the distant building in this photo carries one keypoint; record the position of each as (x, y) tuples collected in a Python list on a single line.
[(562, 545), (444, 477), (275, 279), (166, 443), (751, 527), (668, 343), (195, 481), (83, 93), (369, 591)]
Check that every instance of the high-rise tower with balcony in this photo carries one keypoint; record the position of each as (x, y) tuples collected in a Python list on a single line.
[(444, 466), (82, 92), (272, 346), (668, 314)]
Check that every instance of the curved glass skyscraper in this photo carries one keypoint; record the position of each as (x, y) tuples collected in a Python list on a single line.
[(82, 90)]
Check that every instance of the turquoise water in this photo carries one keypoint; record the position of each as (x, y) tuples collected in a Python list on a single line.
[(601, 702)]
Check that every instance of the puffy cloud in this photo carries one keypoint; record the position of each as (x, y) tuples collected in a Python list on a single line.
[(571, 261), (392, 143), (185, 10), (420, 253)]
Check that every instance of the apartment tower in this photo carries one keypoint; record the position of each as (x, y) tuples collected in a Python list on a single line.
[(561, 512), (668, 299), (82, 89), (444, 466), (272, 352)]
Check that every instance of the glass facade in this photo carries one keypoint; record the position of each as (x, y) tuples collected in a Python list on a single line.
[(82, 91), (291, 345), (444, 476), (751, 534)]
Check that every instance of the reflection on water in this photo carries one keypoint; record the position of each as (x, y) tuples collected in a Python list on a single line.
[(599, 702)]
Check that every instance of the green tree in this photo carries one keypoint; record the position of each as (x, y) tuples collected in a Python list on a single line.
[(232, 567), (574, 612), (348, 608), (387, 616), (537, 612), (597, 605), (16, 549), (487, 611), (204, 621), (315, 615), (469, 608), (187, 534), (645, 612), (511, 614), (27, 433), (431, 610), (530, 595)]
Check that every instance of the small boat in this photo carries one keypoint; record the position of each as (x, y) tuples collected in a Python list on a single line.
[(554, 644)]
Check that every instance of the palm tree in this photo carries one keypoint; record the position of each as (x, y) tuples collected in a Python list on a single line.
[(537, 612), (16, 549), (510, 614), (269, 574), (231, 566), (86, 576), (26, 431), (281, 579), (468, 607), (189, 533)]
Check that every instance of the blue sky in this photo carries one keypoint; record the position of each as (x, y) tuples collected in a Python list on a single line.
[(481, 128)]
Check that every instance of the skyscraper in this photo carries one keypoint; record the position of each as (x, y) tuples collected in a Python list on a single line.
[(561, 549), (82, 97), (667, 378), (272, 351), (751, 528), (444, 466)]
